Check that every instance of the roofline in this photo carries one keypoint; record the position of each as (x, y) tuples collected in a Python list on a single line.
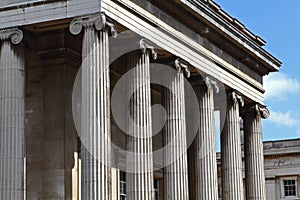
[(214, 11), (282, 140)]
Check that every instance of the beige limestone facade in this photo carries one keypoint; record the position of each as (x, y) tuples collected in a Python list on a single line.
[(281, 168)]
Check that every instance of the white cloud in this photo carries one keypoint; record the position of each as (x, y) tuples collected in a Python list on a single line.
[(287, 119), (279, 85)]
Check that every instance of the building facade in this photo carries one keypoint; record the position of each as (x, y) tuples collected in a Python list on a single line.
[(103, 99), (282, 169), (281, 166)]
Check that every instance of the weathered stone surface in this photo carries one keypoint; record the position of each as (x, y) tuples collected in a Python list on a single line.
[(12, 115), (205, 163), (95, 127), (51, 143), (254, 158), (139, 163), (176, 169), (34, 125), (232, 180)]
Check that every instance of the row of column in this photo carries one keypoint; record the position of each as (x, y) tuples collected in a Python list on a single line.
[(95, 127), (140, 181), (231, 160)]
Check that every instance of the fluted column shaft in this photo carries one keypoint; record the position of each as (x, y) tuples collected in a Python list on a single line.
[(95, 116), (254, 158), (12, 115), (231, 157), (205, 155), (139, 160), (95, 110), (176, 171)]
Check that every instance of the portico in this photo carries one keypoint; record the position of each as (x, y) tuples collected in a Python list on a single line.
[(59, 136)]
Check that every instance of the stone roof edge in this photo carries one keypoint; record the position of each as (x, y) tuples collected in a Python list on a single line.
[(238, 24), (282, 140), (233, 24)]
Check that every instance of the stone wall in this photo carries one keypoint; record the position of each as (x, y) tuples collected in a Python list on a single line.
[(51, 147)]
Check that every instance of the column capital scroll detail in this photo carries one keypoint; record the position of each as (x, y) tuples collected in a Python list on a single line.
[(97, 21), (212, 84), (15, 35), (237, 98), (258, 109), (145, 45), (181, 66), (263, 111)]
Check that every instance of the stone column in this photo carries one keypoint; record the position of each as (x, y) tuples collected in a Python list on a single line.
[(176, 170), (139, 160), (95, 110), (12, 115), (231, 156), (206, 184), (254, 155)]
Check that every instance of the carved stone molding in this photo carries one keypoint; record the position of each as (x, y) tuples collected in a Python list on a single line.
[(97, 21), (14, 34), (237, 98), (181, 66), (147, 45)]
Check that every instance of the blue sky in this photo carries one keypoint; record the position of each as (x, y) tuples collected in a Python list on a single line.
[(278, 23)]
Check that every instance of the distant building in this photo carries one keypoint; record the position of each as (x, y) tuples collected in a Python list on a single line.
[(282, 169)]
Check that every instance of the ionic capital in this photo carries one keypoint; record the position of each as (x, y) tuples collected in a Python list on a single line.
[(211, 84), (146, 45), (236, 98), (256, 109), (182, 66), (15, 35), (204, 81), (98, 21), (263, 111)]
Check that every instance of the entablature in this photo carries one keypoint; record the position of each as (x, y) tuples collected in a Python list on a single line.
[(232, 31), (177, 37), (206, 23), (26, 12), (149, 26)]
